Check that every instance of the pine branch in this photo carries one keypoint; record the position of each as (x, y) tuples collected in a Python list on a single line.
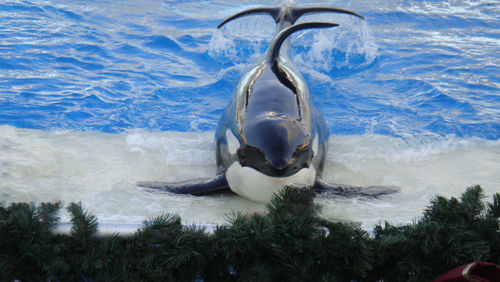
[(290, 242), (84, 224)]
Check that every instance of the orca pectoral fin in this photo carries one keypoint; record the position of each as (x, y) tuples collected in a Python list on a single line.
[(351, 191), (193, 187)]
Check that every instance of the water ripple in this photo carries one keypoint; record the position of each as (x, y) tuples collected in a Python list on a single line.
[(419, 68)]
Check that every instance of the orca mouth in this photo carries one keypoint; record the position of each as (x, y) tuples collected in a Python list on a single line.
[(276, 167)]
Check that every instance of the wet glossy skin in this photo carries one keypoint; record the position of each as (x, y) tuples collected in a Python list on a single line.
[(271, 121), (273, 129)]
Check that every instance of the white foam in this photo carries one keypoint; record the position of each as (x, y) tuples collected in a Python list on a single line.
[(422, 170), (101, 170)]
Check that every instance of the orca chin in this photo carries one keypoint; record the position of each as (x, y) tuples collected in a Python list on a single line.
[(256, 186)]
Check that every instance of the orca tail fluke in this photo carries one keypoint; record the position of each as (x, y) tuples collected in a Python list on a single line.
[(353, 191), (297, 12), (291, 14), (272, 11), (193, 187)]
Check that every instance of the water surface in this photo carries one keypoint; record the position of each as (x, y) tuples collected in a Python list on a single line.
[(95, 96)]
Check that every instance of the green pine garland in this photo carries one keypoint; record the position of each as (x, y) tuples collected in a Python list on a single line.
[(291, 242)]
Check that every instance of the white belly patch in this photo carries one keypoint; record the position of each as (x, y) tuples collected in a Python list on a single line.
[(253, 185)]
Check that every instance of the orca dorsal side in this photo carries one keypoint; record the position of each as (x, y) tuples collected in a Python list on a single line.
[(276, 130), (273, 90)]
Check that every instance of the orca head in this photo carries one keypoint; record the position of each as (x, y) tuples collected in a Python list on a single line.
[(275, 146)]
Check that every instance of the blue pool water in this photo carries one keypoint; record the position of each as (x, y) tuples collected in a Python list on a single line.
[(418, 80), (424, 67)]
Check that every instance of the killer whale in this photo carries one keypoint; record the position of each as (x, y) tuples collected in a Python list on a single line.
[(271, 134)]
